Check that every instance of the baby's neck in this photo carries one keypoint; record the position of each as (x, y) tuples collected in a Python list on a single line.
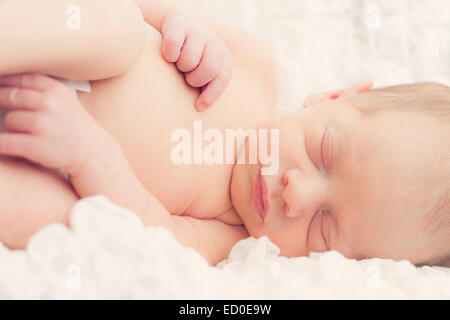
[(210, 187)]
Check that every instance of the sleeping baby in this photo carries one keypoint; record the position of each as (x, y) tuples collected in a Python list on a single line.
[(360, 171)]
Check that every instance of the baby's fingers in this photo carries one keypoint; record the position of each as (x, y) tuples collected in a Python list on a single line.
[(20, 145), (215, 88), (15, 98), (174, 35), (361, 86), (321, 97), (191, 53), (209, 68), (25, 122), (31, 81)]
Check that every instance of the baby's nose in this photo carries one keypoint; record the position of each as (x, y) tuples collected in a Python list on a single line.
[(303, 193)]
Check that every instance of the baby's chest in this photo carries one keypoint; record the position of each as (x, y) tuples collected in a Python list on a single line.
[(159, 138), (149, 107)]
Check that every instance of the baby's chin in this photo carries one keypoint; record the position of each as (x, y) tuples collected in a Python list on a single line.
[(237, 190), (241, 194)]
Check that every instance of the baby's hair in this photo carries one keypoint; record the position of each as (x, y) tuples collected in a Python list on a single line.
[(432, 100), (428, 98)]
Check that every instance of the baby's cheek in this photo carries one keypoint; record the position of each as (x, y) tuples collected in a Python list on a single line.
[(291, 145), (290, 244)]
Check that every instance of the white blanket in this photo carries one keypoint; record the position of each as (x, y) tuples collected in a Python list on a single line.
[(109, 254), (319, 45)]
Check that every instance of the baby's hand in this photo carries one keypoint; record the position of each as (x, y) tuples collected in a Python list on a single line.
[(317, 98), (200, 54), (46, 123)]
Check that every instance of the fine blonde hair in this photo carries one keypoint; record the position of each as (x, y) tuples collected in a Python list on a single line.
[(431, 100)]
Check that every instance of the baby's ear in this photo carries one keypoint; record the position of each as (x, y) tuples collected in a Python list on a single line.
[(361, 86)]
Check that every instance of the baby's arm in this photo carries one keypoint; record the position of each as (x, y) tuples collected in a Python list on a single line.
[(35, 37), (46, 124), (189, 41)]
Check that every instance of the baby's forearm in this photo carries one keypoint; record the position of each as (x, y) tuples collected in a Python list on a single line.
[(107, 171), (85, 43)]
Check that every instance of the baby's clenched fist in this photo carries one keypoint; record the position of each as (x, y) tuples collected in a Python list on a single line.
[(200, 54)]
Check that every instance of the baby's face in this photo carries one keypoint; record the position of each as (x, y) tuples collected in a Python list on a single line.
[(342, 184)]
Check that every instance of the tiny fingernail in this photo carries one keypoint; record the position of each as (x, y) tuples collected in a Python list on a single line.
[(202, 106), (12, 95)]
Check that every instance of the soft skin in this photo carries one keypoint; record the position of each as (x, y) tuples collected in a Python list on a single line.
[(137, 105), (342, 185), (116, 141)]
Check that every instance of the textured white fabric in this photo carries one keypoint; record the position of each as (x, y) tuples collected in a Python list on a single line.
[(319, 45), (76, 85), (109, 254), (322, 45)]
